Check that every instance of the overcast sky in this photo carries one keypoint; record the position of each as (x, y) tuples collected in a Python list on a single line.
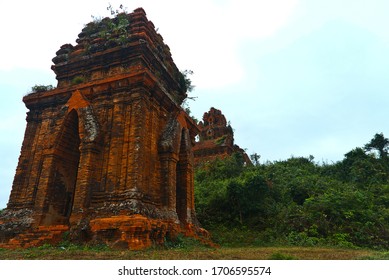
[(294, 77)]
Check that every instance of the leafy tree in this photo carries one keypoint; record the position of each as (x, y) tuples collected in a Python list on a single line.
[(379, 143), (297, 201), (255, 158)]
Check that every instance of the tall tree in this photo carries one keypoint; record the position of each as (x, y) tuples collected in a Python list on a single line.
[(379, 143)]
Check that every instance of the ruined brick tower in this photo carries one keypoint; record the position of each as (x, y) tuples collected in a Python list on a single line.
[(107, 155), (216, 139)]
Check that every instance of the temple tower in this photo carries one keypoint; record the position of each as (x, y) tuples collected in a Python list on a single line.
[(107, 155), (216, 139)]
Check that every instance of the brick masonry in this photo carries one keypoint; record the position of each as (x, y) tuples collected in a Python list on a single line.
[(107, 155), (216, 139)]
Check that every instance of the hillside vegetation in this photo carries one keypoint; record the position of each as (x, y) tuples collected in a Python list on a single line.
[(298, 202)]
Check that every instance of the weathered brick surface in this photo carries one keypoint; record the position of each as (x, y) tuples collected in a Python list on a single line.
[(108, 153), (42, 235), (216, 139)]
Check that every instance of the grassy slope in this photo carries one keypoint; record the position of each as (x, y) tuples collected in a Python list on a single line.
[(199, 253)]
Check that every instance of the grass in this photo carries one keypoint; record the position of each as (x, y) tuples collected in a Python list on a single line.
[(193, 253), (241, 247)]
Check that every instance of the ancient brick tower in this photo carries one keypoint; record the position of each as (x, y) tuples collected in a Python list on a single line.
[(216, 139), (107, 155)]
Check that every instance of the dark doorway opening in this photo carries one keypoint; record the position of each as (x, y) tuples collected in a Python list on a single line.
[(65, 169), (182, 180)]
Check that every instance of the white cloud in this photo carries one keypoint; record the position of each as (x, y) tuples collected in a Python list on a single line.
[(34, 30), (258, 19), (207, 38), (204, 35)]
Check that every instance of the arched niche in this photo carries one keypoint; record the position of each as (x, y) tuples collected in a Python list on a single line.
[(64, 172)]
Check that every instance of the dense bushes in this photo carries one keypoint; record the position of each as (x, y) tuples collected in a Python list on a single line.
[(298, 201)]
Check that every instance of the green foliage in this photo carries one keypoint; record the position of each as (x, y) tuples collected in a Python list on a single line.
[(41, 88), (185, 81), (182, 242), (185, 106), (107, 32), (220, 140), (379, 143), (242, 236), (113, 11), (78, 80), (69, 246), (297, 201), (361, 168), (281, 256), (378, 256), (255, 158)]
